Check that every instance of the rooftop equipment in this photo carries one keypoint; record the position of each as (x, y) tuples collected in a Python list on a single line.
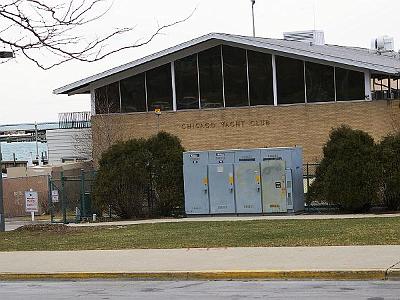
[(383, 44), (313, 37)]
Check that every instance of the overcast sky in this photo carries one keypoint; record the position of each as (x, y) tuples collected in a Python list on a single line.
[(26, 91)]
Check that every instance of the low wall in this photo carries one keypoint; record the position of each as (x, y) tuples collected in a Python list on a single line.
[(14, 194)]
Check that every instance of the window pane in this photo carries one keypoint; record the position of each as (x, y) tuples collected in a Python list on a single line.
[(159, 88), (107, 99), (235, 76), (290, 80), (210, 67), (133, 94), (186, 83), (320, 83), (260, 75), (350, 85)]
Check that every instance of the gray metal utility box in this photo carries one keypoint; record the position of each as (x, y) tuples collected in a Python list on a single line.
[(221, 182), (195, 169), (254, 181)]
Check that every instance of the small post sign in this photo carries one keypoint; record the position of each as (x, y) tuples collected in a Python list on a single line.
[(31, 202), (54, 196)]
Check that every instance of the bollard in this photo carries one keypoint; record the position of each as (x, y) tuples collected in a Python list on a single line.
[(94, 217)]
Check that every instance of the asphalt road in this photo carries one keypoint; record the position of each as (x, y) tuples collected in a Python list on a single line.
[(200, 290)]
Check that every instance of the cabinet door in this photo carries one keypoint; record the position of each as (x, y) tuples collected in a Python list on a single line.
[(196, 190), (221, 182), (273, 186), (248, 188)]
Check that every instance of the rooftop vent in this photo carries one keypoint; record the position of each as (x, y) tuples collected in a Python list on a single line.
[(314, 37), (383, 44)]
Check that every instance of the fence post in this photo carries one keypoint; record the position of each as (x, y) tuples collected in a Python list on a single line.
[(308, 178), (63, 204), (50, 198), (83, 204)]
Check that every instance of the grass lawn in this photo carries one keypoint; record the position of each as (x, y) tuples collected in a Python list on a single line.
[(268, 233)]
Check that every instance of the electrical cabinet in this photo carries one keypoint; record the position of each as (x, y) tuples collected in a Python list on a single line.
[(195, 168), (247, 182), (273, 175), (268, 180), (293, 184), (221, 182)]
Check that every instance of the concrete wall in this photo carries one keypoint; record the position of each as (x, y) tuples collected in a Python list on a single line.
[(64, 143), (306, 125), (14, 194)]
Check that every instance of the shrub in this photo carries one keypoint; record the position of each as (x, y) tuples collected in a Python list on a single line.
[(389, 154), (166, 173), (348, 173), (141, 178)]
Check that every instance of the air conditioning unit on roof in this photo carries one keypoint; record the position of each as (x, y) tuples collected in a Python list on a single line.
[(383, 44)]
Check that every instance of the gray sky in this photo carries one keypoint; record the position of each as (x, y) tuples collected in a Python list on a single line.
[(26, 91)]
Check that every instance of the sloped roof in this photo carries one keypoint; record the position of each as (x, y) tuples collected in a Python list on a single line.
[(388, 63)]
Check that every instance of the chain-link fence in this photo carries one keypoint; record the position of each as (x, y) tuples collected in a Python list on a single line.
[(70, 196), (309, 173)]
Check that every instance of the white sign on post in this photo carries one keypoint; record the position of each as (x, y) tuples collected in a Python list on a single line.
[(31, 202), (54, 196)]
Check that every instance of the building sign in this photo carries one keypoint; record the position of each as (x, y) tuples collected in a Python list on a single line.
[(225, 124), (31, 202), (54, 196)]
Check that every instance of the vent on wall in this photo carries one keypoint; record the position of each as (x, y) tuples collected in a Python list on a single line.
[(314, 37)]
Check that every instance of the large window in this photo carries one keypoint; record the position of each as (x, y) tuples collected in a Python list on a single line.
[(290, 80), (159, 88), (107, 99), (133, 94), (210, 67), (186, 83), (320, 83), (260, 78), (235, 76), (350, 85)]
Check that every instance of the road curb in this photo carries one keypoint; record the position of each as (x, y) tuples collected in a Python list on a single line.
[(211, 275), (393, 274)]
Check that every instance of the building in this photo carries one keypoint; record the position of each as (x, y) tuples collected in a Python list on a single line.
[(72, 140), (222, 91), (68, 140)]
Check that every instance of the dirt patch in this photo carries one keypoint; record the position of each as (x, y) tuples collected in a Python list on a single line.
[(56, 228)]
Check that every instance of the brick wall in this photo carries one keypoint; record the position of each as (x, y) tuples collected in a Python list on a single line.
[(306, 125), (14, 194)]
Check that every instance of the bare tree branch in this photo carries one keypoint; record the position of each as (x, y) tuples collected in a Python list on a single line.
[(30, 26)]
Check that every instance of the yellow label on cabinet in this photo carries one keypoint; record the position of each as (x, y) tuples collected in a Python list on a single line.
[(205, 180)]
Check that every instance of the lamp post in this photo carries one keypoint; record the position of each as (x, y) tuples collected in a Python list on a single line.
[(2, 220), (253, 2), (3, 54)]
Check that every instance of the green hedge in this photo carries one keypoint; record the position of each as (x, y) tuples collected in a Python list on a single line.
[(355, 173), (389, 156), (141, 178), (348, 173)]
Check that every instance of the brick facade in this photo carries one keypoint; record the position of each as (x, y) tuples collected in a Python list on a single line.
[(306, 125)]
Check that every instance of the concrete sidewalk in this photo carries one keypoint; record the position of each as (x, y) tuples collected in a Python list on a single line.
[(12, 224), (241, 218), (362, 262)]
